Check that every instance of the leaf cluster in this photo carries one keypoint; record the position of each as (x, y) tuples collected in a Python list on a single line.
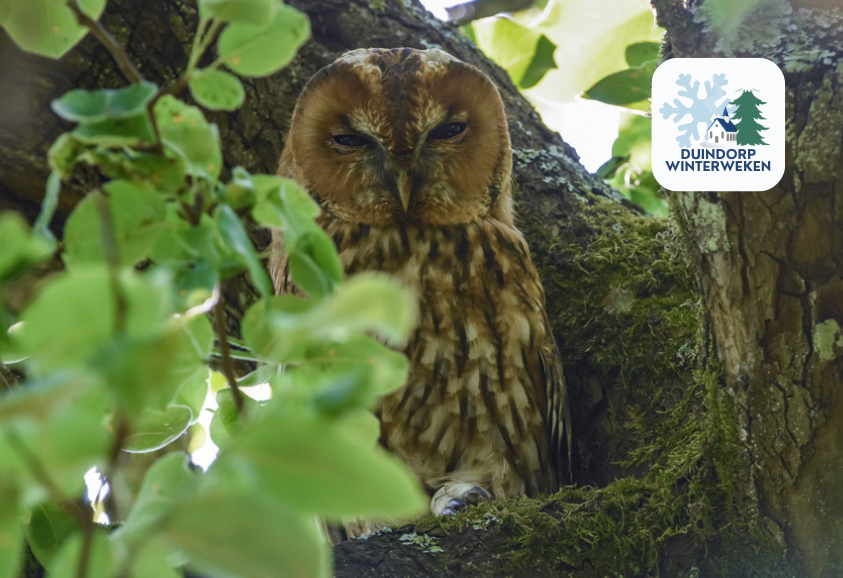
[(116, 348)]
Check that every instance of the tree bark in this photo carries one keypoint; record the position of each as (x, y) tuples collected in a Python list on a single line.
[(770, 267)]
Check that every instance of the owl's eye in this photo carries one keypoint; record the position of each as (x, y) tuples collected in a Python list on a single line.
[(449, 130), (351, 140)]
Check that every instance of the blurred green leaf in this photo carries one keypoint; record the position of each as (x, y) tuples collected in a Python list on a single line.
[(257, 12), (260, 50), (624, 87), (640, 52), (126, 131), (47, 530), (5, 9), (91, 106), (21, 250), (280, 328), (48, 207), (312, 463), (73, 316), (186, 131), (240, 191), (47, 27), (165, 485), (279, 541), (102, 561), (163, 173), (11, 535), (137, 212), (231, 231), (216, 90), (155, 429)]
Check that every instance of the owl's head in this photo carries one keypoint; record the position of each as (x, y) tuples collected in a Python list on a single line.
[(388, 136)]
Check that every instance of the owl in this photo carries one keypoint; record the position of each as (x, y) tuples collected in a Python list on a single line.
[(407, 153)]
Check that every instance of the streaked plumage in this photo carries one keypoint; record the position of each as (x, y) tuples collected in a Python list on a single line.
[(408, 154)]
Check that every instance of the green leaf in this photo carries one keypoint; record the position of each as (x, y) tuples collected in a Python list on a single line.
[(165, 173), (148, 372), (165, 485), (185, 130), (73, 440), (216, 90), (137, 212), (260, 50), (279, 541), (102, 561), (48, 207), (314, 263), (312, 464), (21, 250), (640, 52), (47, 27), (42, 396), (5, 10), (47, 530), (73, 316), (256, 12), (513, 46), (280, 328), (624, 87), (283, 203), (231, 231), (93, 106), (11, 536), (127, 131), (156, 561), (155, 429), (541, 62)]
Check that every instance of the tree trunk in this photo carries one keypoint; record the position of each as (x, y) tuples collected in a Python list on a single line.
[(652, 428), (770, 267)]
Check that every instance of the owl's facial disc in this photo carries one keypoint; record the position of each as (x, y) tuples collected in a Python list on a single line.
[(402, 136)]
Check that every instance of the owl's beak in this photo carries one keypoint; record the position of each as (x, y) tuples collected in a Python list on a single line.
[(405, 189)]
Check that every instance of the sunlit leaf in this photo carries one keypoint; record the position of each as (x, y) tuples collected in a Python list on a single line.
[(624, 87), (541, 62), (260, 50), (525, 53), (217, 90), (47, 27), (64, 154)]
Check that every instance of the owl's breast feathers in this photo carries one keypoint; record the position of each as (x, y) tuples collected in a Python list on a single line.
[(485, 401)]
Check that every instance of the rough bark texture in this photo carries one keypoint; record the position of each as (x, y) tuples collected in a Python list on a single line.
[(622, 302), (770, 267)]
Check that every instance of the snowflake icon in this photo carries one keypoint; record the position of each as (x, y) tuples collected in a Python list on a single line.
[(701, 110)]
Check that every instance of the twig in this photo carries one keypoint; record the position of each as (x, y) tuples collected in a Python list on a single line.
[(227, 366), (124, 63), (112, 257)]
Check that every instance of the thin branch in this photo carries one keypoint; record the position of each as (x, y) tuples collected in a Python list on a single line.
[(227, 365), (124, 63), (112, 257)]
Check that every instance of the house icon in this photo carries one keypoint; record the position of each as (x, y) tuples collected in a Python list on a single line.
[(721, 132)]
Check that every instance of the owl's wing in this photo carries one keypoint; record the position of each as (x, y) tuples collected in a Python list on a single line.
[(558, 418)]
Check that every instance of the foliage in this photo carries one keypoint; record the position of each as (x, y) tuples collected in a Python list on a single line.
[(115, 350)]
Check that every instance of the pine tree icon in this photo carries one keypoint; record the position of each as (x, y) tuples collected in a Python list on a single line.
[(746, 117)]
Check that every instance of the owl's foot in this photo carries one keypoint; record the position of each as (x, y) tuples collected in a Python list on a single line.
[(453, 497)]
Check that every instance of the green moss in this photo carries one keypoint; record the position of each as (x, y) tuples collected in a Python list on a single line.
[(626, 306)]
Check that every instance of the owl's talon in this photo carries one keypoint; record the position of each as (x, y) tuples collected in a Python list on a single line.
[(476, 495)]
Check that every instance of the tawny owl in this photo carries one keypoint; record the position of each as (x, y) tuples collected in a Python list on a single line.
[(407, 152)]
